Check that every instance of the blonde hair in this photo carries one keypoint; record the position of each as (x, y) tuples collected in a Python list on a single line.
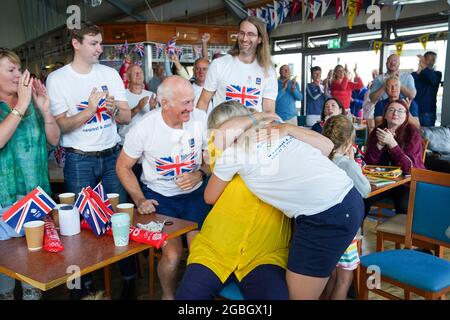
[(10, 55), (339, 129), (263, 49), (225, 111)]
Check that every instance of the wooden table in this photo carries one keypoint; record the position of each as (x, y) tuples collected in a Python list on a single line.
[(45, 270), (398, 181)]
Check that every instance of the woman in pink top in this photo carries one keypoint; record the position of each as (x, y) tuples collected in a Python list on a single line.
[(342, 86)]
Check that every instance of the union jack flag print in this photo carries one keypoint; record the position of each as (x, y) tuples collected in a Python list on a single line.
[(249, 97), (92, 212), (101, 114), (100, 191), (174, 166), (34, 206)]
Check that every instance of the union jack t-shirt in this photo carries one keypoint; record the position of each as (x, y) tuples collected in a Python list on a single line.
[(167, 153)]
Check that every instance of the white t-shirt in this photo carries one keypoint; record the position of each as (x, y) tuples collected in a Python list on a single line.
[(167, 152), (289, 174), (69, 91), (232, 79), (133, 100)]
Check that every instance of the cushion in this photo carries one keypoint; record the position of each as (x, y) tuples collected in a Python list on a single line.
[(439, 138), (231, 292), (414, 268), (395, 225)]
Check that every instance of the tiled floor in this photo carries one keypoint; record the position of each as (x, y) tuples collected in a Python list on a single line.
[(60, 293)]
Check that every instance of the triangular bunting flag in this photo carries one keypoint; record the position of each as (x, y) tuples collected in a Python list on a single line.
[(399, 48), (338, 8), (325, 5), (377, 46), (352, 7), (398, 10), (423, 40)]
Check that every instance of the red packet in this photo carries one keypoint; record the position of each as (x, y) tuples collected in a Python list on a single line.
[(155, 239), (52, 243)]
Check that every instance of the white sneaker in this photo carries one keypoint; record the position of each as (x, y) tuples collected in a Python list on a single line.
[(7, 296)]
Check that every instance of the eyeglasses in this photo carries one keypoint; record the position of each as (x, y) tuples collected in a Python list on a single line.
[(399, 111), (242, 34)]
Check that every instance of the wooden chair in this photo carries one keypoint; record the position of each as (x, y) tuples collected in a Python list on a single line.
[(388, 204), (427, 220)]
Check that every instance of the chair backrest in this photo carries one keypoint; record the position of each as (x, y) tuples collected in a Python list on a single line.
[(425, 143), (429, 207)]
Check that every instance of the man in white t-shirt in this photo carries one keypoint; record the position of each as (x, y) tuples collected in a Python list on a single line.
[(140, 100), (87, 100), (246, 74), (170, 141)]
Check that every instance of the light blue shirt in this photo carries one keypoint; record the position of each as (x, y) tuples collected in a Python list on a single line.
[(285, 103), (406, 80)]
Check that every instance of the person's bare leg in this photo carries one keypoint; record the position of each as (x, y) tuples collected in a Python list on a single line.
[(329, 288), (303, 287), (343, 283), (168, 267)]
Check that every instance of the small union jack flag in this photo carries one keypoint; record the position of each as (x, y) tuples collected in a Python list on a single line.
[(170, 46), (100, 191), (92, 212), (249, 97), (34, 206), (139, 49), (101, 114)]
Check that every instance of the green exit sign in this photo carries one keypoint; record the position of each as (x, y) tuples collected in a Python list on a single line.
[(334, 43)]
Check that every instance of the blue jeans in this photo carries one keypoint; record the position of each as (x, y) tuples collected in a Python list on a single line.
[(81, 171), (7, 284), (427, 119)]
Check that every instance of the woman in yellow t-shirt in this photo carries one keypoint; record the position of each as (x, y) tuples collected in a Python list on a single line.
[(243, 239)]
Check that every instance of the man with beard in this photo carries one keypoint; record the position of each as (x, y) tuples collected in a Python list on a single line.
[(246, 74)]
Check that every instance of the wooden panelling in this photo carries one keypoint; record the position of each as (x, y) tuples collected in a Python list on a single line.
[(162, 32)]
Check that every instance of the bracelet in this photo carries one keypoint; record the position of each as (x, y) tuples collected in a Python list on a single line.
[(17, 113), (116, 111)]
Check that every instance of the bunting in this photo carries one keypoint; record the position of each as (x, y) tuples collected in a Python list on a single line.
[(423, 40), (352, 7), (325, 5), (377, 46), (399, 48)]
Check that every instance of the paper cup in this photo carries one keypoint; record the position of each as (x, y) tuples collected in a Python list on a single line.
[(67, 198), (120, 223), (128, 208), (69, 220), (34, 233), (55, 214), (114, 199)]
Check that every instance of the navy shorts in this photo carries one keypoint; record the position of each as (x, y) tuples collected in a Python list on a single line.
[(189, 206), (320, 240)]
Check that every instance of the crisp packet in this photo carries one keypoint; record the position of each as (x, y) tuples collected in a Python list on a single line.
[(152, 226), (52, 242)]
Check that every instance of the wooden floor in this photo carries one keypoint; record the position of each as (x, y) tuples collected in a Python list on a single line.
[(369, 245)]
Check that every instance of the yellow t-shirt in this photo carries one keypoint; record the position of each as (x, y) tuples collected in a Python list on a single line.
[(240, 233)]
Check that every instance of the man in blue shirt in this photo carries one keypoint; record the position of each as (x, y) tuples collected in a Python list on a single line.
[(392, 88), (288, 93), (316, 94), (427, 82)]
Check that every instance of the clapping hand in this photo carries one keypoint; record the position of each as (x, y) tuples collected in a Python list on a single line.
[(385, 137), (40, 96)]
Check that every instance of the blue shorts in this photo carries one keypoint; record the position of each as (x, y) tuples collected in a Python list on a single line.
[(320, 240), (189, 206), (265, 282)]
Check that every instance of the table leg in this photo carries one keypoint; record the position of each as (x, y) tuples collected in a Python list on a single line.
[(107, 275), (151, 273)]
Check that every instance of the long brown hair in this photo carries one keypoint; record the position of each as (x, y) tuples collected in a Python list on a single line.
[(340, 130), (263, 50)]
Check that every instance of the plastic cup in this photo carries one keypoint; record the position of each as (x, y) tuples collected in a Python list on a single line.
[(128, 208), (67, 198), (114, 199), (120, 223), (34, 233)]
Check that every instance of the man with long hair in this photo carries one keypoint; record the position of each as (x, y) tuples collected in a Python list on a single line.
[(246, 74)]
